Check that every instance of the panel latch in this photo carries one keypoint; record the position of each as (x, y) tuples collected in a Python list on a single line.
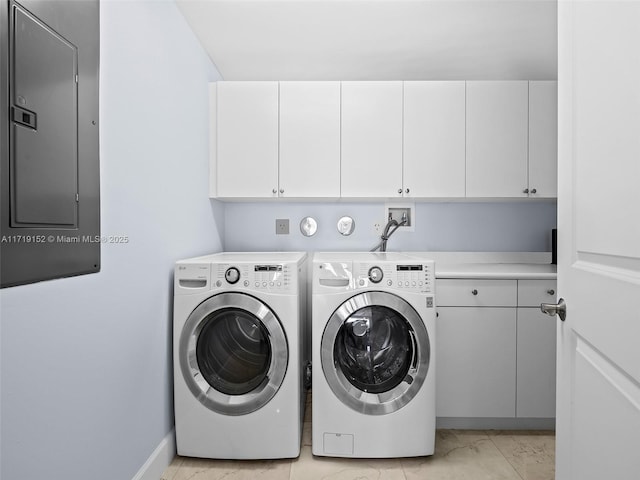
[(24, 117)]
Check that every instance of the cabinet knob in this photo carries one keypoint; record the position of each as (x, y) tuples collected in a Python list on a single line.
[(407, 190), (274, 191), (526, 190), (282, 190), (551, 292), (533, 190), (474, 292), (400, 191)]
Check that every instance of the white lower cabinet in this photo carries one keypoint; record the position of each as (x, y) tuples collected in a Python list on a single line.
[(536, 373), (495, 349), (476, 362), (476, 348)]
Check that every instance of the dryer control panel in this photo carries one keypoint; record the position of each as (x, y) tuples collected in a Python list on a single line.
[(277, 277), (414, 277)]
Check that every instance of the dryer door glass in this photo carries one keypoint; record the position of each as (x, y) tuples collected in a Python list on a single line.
[(233, 351), (374, 349)]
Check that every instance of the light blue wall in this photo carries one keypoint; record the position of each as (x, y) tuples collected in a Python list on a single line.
[(518, 226), (86, 361)]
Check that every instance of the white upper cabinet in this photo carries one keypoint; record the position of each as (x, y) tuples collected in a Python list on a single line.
[(247, 140), (371, 139), (309, 139), (543, 139), (497, 139), (414, 139), (434, 139)]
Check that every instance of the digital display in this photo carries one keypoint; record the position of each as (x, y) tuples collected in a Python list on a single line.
[(268, 268), (409, 268)]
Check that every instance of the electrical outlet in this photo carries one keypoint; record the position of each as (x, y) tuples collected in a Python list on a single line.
[(282, 226), (377, 228)]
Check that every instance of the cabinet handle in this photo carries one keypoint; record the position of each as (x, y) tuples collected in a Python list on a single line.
[(533, 191), (526, 190), (407, 190), (551, 292), (274, 191), (282, 190), (474, 292), (400, 191)]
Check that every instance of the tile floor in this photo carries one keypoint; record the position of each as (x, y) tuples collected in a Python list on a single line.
[(460, 455)]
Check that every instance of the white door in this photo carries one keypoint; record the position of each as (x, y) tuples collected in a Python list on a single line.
[(598, 409)]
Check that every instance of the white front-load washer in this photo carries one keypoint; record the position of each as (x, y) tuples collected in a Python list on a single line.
[(240, 355), (373, 355)]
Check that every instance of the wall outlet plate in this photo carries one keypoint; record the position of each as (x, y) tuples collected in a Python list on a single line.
[(282, 226), (397, 210)]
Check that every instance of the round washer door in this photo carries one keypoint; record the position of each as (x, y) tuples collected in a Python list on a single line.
[(233, 353), (375, 353)]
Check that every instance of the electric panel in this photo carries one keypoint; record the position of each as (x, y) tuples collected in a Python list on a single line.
[(49, 140), (44, 125)]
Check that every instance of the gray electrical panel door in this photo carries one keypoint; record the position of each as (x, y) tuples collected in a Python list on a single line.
[(49, 140), (44, 150)]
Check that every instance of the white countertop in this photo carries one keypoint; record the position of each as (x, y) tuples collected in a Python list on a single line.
[(496, 270), (491, 265)]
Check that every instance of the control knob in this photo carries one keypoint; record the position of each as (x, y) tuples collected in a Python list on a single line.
[(375, 274), (232, 275)]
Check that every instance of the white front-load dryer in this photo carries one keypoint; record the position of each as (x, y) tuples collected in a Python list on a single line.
[(373, 331), (240, 355)]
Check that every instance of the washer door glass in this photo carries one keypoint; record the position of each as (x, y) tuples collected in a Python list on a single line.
[(233, 353), (374, 349), (375, 352)]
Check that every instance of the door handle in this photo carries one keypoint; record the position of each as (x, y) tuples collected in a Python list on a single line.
[(553, 309)]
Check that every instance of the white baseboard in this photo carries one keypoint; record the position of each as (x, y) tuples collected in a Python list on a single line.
[(159, 460)]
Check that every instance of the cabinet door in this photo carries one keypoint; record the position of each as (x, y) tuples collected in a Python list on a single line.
[(247, 139), (476, 362), (310, 139), (434, 139), (536, 384), (371, 139), (543, 139), (497, 135)]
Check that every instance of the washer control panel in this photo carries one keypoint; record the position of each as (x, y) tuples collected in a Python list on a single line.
[(264, 277), (415, 277)]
